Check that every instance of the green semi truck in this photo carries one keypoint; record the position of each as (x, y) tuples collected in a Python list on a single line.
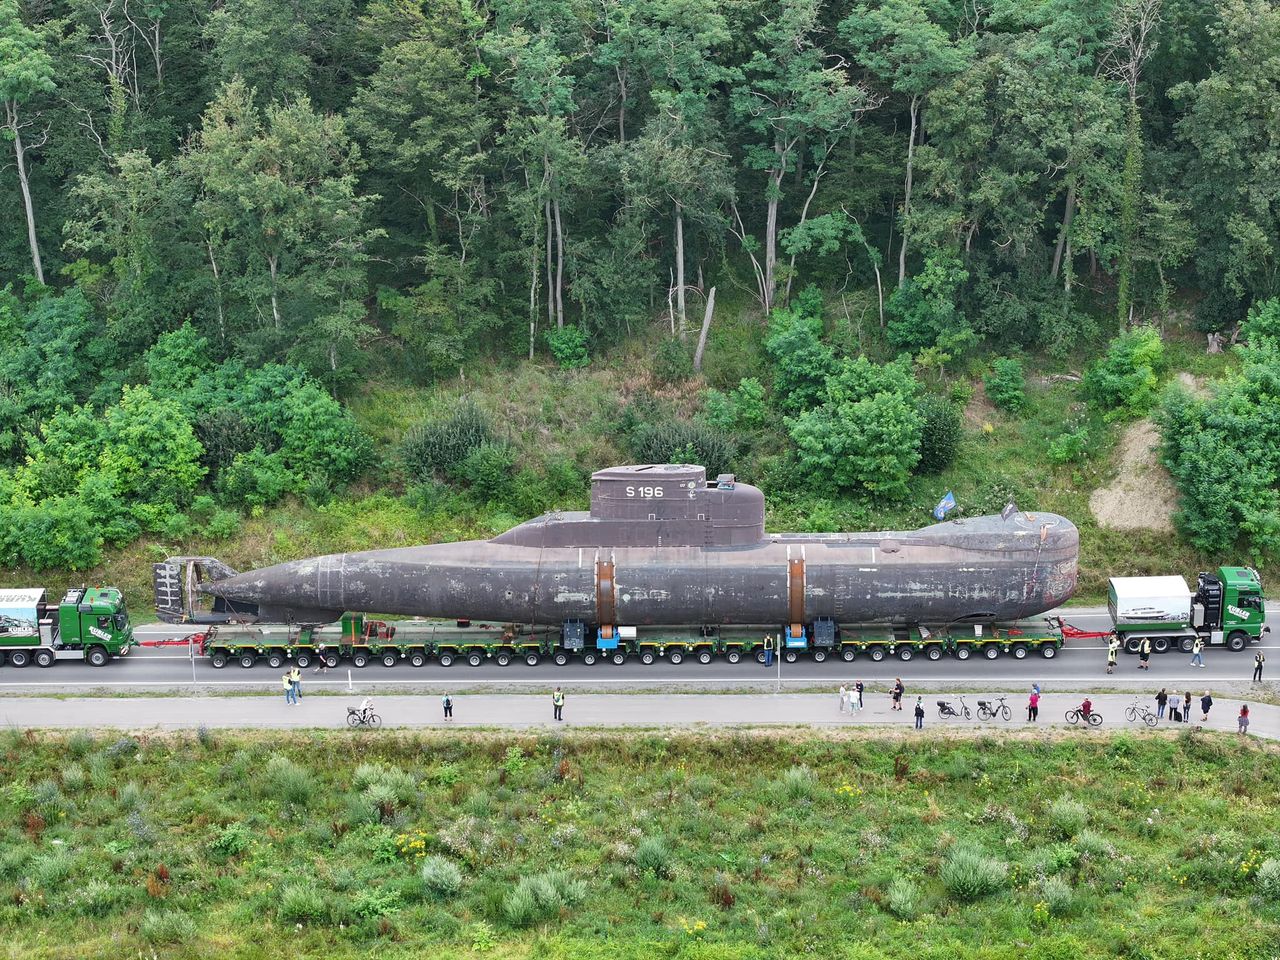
[(89, 624), (1226, 609)]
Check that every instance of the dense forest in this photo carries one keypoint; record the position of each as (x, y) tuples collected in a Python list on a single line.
[(220, 221)]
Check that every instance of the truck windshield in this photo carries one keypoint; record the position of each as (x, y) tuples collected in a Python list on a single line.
[(121, 621)]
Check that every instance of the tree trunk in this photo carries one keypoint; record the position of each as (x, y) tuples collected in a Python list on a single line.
[(771, 237), (680, 303), (804, 216), (20, 157), (1062, 233), (273, 262), (879, 291), (551, 297), (706, 325), (906, 194), (622, 103), (559, 267), (217, 292)]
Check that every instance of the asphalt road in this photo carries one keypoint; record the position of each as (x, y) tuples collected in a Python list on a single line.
[(1078, 662)]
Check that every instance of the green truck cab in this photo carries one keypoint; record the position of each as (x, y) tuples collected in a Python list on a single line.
[(88, 624), (1228, 608)]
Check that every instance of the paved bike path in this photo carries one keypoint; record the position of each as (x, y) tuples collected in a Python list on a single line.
[(590, 710)]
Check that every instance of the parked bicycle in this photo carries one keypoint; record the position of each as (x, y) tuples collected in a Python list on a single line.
[(1140, 711), (363, 715), (946, 710), (990, 711), (1094, 718)]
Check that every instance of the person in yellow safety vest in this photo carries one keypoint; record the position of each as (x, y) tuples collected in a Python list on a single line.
[(296, 676), (557, 704), (1144, 654), (287, 682), (1113, 648), (1197, 652)]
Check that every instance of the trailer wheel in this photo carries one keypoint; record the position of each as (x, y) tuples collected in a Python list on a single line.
[(675, 655), (417, 658), (359, 659), (1185, 644), (906, 652), (790, 656), (474, 659), (876, 654), (1237, 641), (646, 657), (1160, 645), (532, 659), (963, 652), (1132, 645), (218, 659), (760, 656), (619, 658), (446, 658), (819, 656), (1049, 651), (734, 655), (1019, 651), (559, 658), (331, 660), (19, 658), (848, 654), (502, 658), (933, 651), (302, 659), (275, 659), (389, 659), (589, 658), (44, 658), (991, 651), (704, 656), (247, 660)]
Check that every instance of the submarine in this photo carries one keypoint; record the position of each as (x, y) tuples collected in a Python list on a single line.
[(663, 545)]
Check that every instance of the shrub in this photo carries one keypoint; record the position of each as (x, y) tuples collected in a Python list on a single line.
[(940, 433), (375, 903), (1093, 845), (743, 407), (672, 362), (1126, 381), (487, 470), (903, 899), (441, 877), (798, 783), (288, 782), (430, 449), (1070, 447), (230, 841), (653, 856), (301, 902), (1067, 817), (130, 796), (167, 926), (1058, 896), (680, 441), (970, 875), (568, 344), (1268, 880), (1006, 385), (540, 898), (800, 361), (80, 743)]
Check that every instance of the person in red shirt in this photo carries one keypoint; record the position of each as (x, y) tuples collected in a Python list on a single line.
[(1086, 708), (1033, 706)]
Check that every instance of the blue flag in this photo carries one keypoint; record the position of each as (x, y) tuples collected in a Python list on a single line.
[(946, 503)]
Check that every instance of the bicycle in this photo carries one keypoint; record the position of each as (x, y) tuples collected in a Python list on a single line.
[(1075, 716), (363, 718), (946, 710), (1140, 711), (989, 711)]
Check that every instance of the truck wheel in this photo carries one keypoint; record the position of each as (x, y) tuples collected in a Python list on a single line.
[(44, 658), (819, 656), (1049, 651), (389, 659), (559, 658), (20, 658), (532, 659), (589, 658), (247, 660), (619, 658), (734, 655), (302, 659), (790, 656), (359, 659), (1237, 641), (502, 658), (906, 652), (876, 654), (97, 657), (446, 658), (417, 658), (704, 656), (963, 652), (933, 651), (1132, 645), (331, 660), (275, 660), (991, 651), (1185, 644), (760, 656), (675, 656), (646, 657), (1160, 645), (218, 659), (474, 659), (1019, 651)]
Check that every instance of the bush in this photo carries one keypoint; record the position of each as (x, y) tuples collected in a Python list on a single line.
[(432, 448), (1068, 817), (540, 898), (230, 841), (568, 344), (679, 441), (1071, 447), (743, 407), (653, 856), (301, 902), (903, 899), (798, 783), (288, 782), (940, 433), (1006, 385), (672, 362), (970, 875), (167, 926), (487, 470), (1268, 880), (800, 361), (1092, 845), (441, 877), (1126, 382), (1058, 896)]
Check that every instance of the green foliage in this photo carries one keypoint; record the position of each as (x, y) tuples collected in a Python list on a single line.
[(743, 407), (941, 431), (1268, 879), (441, 877), (1070, 447), (1058, 896), (1006, 385), (903, 899), (1126, 382), (167, 927), (654, 856), (800, 361), (541, 897), (1068, 816), (969, 875), (924, 313), (568, 344), (682, 441), (672, 362), (433, 448), (287, 781), (487, 470), (230, 841), (301, 902)]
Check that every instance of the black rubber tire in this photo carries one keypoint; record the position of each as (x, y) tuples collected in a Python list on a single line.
[(1186, 643), (275, 660), (19, 658), (647, 657), (733, 656), (906, 652), (330, 660), (353, 719), (704, 656), (589, 658), (1237, 641), (98, 657), (759, 656), (247, 660), (559, 658), (964, 652), (303, 659), (218, 660), (1019, 651), (532, 659), (848, 654), (446, 659), (1132, 645), (619, 658), (790, 656), (1049, 651), (359, 659), (1160, 645), (502, 658), (375, 721), (675, 656), (876, 654), (1005, 714), (389, 659), (819, 656), (933, 651), (474, 659), (1149, 719), (991, 651), (1073, 716), (44, 658), (417, 658), (1095, 719)]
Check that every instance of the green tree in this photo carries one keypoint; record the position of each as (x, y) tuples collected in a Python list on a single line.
[(1126, 382)]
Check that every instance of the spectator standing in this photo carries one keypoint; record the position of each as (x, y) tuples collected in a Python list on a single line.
[(557, 704), (1162, 700), (898, 690), (844, 698), (1258, 660), (1205, 703), (295, 675), (1113, 650), (1033, 705), (290, 696), (857, 688), (1242, 721), (768, 652), (447, 702), (1186, 707), (1144, 654), (919, 713), (1175, 707), (1197, 652)]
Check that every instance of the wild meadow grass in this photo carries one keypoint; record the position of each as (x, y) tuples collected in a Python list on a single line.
[(726, 845)]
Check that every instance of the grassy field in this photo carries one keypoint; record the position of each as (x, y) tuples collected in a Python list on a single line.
[(742, 845)]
